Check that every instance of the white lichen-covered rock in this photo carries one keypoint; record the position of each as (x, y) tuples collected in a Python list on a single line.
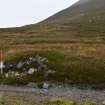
[(45, 85), (30, 58), (31, 71), (19, 65)]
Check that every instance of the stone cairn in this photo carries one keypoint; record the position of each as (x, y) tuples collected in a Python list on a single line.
[(29, 66)]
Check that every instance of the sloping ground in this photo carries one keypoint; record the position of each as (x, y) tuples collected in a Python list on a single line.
[(83, 22), (72, 40)]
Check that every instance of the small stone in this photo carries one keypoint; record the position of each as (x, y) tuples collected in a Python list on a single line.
[(45, 85), (30, 58), (31, 71)]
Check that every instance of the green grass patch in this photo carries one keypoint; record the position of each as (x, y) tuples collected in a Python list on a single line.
[(22, 100), (69, 69)]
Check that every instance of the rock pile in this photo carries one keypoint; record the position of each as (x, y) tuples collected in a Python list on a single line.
[(28, 66)]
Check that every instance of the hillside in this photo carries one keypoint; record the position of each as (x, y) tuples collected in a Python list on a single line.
[(72, 40), (83, 22)]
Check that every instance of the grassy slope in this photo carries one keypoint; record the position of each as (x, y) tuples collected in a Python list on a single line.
[(83, 22), (72, 40), (74, 63)]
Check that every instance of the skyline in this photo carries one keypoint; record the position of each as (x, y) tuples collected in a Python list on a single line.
[(16, 13)]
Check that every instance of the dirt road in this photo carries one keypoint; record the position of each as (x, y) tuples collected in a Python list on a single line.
[(72, 93)]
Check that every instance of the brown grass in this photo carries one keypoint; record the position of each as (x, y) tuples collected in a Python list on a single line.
[(78, 49)]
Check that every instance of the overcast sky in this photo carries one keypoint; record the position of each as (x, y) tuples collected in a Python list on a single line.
[(21, 12)]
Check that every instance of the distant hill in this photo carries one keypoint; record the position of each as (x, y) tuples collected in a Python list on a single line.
[(82, 22), (85, 19)]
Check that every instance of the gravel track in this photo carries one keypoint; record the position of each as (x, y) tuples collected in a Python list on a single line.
[(72, 93)]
